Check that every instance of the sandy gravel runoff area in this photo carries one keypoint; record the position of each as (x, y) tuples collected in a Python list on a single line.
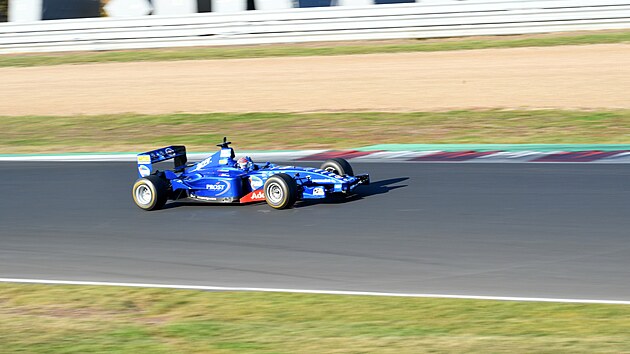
[(595, 76)]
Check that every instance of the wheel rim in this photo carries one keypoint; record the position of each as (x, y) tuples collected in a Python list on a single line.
[(144, 195), (331, 169), (274, 193)]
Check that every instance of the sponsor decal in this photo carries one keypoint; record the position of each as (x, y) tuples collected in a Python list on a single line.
[(223, 162), (260, 195), (193, 178), (215, 187), (201, 197), (255, 182), (324, 181), (254, 196), (144, 159), (219, 186), (202, 164), (144, 170), (226, 153), (169, 152), (318, 191)]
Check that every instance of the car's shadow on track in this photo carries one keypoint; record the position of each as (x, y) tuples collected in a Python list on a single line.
[(374, 188), (193, 203)]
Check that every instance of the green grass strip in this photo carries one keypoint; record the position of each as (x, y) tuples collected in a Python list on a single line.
[(292, 131), (419, 45), (84, 319)]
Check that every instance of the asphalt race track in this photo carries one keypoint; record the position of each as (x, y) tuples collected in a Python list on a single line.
[(531, 230)]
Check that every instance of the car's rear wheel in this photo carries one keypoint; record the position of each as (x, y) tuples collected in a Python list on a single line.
[(281, 191), (150, 192), (338, 166)]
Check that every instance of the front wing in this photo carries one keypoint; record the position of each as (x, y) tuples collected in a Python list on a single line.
[(310, 190)]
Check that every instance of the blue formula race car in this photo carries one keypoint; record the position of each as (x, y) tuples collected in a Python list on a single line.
[(221, 179)]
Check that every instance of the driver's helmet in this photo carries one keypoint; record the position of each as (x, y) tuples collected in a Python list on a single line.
[(244, 162)]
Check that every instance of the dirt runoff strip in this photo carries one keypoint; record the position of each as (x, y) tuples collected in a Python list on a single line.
[(585, 77)]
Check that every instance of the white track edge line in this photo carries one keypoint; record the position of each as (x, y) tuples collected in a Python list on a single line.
[(306, 291)]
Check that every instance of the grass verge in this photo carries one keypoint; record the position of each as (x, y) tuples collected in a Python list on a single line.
[(83, 319), (288, 50), (285, 131)]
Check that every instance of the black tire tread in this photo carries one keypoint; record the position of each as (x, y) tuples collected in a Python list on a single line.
[(161, 191), (290, 189), (340, 165)]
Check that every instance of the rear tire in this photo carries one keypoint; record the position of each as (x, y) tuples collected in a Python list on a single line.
[(338, 166), (150, 192), (281, 191)]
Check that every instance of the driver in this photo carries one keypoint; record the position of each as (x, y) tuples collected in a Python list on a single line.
[(244, 163)]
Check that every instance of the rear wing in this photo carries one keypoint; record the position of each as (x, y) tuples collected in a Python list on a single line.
[(147, 159)]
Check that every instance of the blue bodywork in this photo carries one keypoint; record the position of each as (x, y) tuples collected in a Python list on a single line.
[(218, 178)]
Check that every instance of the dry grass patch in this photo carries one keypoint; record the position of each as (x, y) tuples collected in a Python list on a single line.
[(80, 319), (287, 131), (322, 48)]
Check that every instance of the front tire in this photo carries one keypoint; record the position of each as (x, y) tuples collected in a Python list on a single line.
[(281, 191), (338, 166), (150, 193)]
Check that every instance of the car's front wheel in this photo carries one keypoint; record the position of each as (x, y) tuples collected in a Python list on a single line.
[(281, 191), (338, 166), (150, 192)]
